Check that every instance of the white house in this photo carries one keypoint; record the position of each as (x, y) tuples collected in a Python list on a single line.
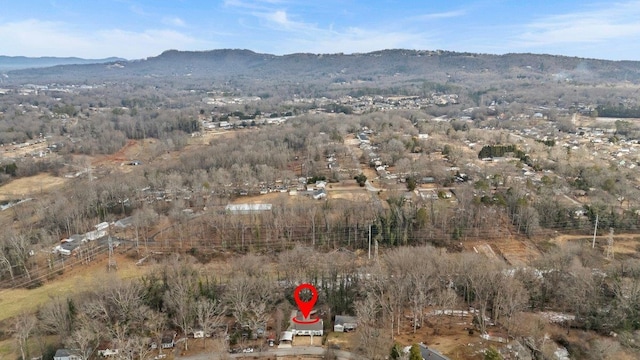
[(108, 352), (102, 226), (304, 326), (319, 194)]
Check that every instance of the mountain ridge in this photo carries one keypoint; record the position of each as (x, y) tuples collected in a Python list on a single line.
[(439, 66)]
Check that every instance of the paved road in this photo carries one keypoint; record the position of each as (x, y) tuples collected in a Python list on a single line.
[(370, 187), (294, 351)]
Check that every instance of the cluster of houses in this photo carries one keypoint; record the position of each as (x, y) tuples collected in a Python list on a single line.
[(310, 326), (69, 245), (108, 350), (368, 103), (36, 148), (217, 98), (316, 190), (313, 325), (237, 123)]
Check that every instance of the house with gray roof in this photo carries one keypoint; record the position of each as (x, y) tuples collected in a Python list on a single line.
[(66, 354), (345, 323)]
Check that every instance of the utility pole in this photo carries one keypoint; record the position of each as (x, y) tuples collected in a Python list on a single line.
[(595, 230), (369, 241), (112, 260)]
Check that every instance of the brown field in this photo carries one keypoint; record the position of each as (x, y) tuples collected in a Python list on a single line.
[(348, 190), (30, 186), (517, 252), (349, 195), (345, 341), (263, 199), (621, 241), (207, 136)]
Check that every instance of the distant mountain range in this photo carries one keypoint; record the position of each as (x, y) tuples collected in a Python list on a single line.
[(8, 63), (395, 67)]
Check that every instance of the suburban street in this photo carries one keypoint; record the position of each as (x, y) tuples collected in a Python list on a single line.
[(294, 351)]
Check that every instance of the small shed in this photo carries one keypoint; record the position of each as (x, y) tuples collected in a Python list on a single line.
[(427, 180), (168, 340)]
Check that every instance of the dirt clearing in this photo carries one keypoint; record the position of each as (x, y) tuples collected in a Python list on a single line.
[(207, 136), (449, 335)]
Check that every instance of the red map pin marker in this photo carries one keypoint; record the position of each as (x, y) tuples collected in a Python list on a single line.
[(305, 306)]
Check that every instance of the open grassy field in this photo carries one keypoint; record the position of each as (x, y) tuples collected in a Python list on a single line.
[(31, 186)]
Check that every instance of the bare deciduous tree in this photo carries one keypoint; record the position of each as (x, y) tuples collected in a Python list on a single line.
[(209, 316), (85, 337), (179, 297), (244, 294), (157, 324), (373, 341), (56, 318), (23, 327)]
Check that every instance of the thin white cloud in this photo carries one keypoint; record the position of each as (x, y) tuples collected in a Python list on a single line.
[(617, 21), (42, 38), (299, 36), (280, 17), (174, 21), (280, 20), (441, 15)]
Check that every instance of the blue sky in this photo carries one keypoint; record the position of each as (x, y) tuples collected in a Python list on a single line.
[(136, 29)]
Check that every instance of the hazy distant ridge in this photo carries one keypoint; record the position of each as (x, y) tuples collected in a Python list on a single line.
[(8, 63)]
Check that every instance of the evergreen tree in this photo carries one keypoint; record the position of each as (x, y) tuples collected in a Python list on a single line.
[(414, 353), (492, 354), (396, 352)]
